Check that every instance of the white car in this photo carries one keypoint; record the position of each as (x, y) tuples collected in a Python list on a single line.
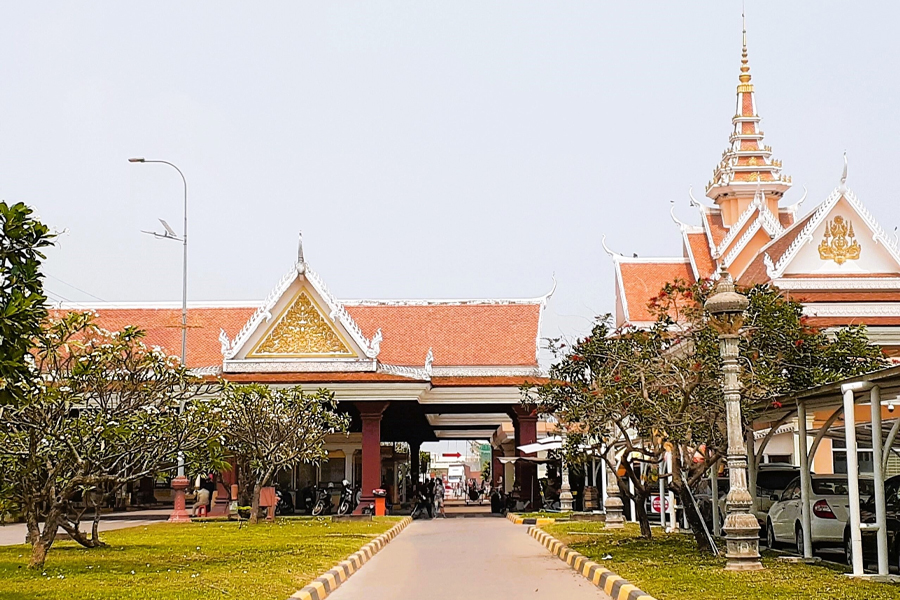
[(830, 505)]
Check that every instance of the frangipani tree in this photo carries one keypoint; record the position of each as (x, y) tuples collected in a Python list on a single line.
[(268, 429), (643, 390), (102, 410)]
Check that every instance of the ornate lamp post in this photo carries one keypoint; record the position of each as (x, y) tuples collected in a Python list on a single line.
[(565, 490), (726, 311)]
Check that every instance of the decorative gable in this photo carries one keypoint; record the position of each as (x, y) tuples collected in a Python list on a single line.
[(302, 331), (840, 238), (301, 323)]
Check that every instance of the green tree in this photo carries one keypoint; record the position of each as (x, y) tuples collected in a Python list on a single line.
[(104, 410), (22, 299), (268, 429), (634, 393)]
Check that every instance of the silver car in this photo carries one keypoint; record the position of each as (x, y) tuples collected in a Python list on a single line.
[(830, 511)]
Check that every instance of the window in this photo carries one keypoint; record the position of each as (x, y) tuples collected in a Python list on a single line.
[(839, 457), (792, 492), (838, 487)]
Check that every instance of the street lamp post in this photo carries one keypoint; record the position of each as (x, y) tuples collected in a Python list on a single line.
[(726, 310), (170, 235)]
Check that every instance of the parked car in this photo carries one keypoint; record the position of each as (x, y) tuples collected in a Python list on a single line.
[(704, 499), (867, 515), (830, 511), (771, 480)]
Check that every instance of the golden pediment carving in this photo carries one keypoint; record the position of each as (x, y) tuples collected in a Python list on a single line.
[(839, 241), (302, 331)]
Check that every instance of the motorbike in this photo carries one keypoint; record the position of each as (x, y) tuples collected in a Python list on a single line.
[(346, 503), (323, 501), (284, 504), (421, 509), (306, 499)]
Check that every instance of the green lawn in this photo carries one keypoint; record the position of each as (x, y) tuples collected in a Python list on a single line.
[(669, 568), (196, 560)]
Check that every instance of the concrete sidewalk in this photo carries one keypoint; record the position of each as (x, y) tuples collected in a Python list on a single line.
[(14, 533), (456, 559)]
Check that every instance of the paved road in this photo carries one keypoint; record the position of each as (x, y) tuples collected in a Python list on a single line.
[(14, 533), (453, 559)]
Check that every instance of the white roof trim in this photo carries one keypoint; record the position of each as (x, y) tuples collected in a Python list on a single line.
[(838, 283), (852, 309), (819, 215), (690, 253)]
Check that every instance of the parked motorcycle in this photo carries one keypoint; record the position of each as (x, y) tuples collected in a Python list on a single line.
[(306, 499), (346, 503), (323, 501), (421, 508), (285, 503)]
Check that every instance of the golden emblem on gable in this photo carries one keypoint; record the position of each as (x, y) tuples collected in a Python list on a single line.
[(302, 331), (839, 242)]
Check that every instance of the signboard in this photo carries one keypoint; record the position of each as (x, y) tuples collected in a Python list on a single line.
[(456, 473), (654, 504)]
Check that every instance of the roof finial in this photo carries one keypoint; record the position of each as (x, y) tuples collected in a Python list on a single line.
[(844, 174), (745, 62), (301, 262)]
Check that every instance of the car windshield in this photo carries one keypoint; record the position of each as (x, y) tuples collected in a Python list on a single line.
[(774, 481), (838, 487)]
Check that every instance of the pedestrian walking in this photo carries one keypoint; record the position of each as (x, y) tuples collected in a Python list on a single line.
[(439, 496)]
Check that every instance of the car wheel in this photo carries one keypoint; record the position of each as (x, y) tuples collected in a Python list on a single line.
[(798, 538), (770, 536)]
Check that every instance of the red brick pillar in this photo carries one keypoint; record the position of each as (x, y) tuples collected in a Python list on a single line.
[(370, 414), (179, 511), (496, 466), (525, 423)]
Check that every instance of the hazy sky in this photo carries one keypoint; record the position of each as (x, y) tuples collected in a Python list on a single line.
[(437, 150)]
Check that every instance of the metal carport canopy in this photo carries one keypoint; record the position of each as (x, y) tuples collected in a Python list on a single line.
[(871, 388)]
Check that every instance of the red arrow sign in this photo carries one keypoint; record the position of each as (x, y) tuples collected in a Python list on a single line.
[(455, 455)]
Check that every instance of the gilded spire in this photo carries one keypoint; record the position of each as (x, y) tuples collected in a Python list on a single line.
[(745, 62)]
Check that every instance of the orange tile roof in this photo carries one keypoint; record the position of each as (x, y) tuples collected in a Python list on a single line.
[(786, 219), (755, 272), (698, 246), (715, 226), (644, 280), (163, 327), (459, 334)]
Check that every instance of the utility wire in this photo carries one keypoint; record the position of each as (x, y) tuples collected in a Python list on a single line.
[(76, 288)]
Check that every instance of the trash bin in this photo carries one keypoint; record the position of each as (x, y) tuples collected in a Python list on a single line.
[(380, 496)]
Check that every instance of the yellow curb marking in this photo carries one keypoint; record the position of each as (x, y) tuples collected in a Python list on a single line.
[(597, 575), (320, 587), (625, 590), (302, 595), (331, 579), (609, 583)]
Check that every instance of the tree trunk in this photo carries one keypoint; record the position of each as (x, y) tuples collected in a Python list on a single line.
[(694, 518), (40, 544), (39, 550), (640, 509), (254, 506)]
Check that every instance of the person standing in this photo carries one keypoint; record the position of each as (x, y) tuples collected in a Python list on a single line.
[(439, 496)]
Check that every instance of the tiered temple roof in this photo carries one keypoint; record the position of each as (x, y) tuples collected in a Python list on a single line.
[(836, 259)]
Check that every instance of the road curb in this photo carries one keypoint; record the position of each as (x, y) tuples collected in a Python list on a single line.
[(320, 587), (539, 521), (617, 587)]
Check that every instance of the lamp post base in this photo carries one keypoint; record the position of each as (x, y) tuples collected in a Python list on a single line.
[(742, 543), (179, 512)]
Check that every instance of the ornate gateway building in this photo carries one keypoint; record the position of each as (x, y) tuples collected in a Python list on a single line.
[(406, 371), (836, 259)]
